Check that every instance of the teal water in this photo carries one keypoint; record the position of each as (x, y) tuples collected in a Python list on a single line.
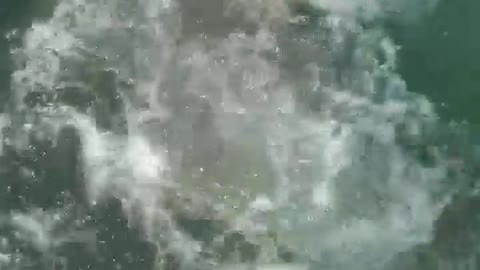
[(438, 55), (438, 58), (403, 224)]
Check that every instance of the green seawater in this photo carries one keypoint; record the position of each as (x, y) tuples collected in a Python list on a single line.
[(439, 58)]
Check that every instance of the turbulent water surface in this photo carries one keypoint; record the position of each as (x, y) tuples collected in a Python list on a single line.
[(229, 134)]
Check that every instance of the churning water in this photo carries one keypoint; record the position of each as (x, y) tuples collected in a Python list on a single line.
[(183, 134)]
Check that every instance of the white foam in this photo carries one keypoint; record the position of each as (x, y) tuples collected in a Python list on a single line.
[(339, 177)]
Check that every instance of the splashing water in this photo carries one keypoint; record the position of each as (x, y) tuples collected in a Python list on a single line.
[(271, 124)]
